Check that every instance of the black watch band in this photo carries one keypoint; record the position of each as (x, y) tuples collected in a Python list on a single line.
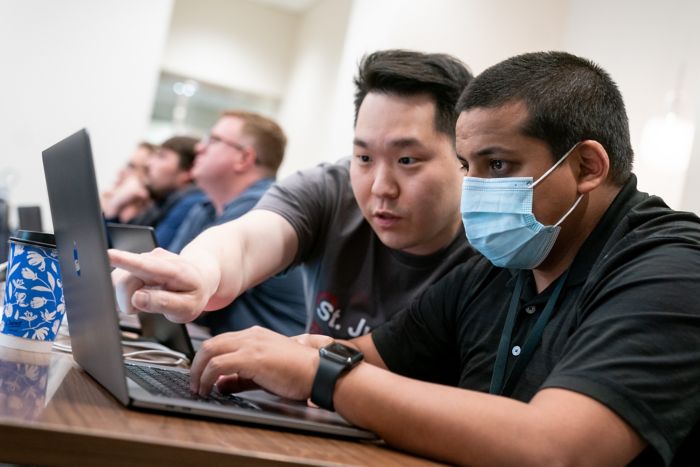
[(324, 383), (334, 360)]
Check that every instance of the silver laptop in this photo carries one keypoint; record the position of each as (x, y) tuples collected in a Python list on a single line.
[(152, 326), (93, 321)]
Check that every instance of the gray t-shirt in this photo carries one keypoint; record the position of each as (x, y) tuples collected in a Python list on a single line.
[(353, 282)]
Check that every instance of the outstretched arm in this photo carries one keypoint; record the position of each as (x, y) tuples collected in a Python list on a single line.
[(211, 271)]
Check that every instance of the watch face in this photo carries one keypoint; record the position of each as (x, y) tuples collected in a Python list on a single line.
[(341, 353)]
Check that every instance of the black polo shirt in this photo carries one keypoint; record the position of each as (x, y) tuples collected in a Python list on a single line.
[(625, 331)]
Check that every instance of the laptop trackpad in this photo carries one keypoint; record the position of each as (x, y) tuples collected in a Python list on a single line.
[(270, 402)]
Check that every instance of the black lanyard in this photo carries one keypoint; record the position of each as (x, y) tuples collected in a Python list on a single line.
[(498, 383)]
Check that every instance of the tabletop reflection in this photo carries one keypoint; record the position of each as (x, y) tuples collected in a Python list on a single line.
[(28, 380)]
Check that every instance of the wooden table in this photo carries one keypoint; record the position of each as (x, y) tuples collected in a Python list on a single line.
[(52, 413)]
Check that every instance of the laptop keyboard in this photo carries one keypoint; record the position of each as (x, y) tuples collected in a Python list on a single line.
[(162, 382)]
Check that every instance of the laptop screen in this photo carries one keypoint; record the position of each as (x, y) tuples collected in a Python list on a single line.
[(133, 238)]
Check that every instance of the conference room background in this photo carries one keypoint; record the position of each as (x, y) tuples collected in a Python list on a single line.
[(130, 70)]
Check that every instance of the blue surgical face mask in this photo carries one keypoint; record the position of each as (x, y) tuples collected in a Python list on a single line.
[(498, 218)]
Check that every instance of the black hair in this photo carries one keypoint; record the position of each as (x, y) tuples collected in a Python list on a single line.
[(568, 98), (184, 146), (408, 73)]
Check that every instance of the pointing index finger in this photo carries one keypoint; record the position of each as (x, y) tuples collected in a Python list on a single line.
[(125, 260), (152, 268)]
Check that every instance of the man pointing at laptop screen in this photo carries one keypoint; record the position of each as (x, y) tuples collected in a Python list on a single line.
[(369, 233), (574, 339)]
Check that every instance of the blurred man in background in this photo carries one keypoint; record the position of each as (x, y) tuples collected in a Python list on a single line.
[(169, 183), (129, 197), (235, 165), (370, 233)]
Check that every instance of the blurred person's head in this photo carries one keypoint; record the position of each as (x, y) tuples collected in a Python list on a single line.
[(241, 148), (137, 163), (169, 166), (404, 171)]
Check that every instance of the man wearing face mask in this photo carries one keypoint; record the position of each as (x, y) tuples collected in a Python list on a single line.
[(499, 222), (575, 339)]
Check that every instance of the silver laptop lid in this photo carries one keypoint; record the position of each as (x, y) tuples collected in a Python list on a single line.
[(82, 251)]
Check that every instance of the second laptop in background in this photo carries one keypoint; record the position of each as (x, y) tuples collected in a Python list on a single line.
[(141, 239)]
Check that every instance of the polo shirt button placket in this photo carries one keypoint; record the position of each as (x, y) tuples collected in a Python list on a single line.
[(530, 309), (515, 350)]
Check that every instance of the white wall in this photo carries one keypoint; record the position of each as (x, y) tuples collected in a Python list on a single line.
[(479, 33), (233, 43), (73, 64), (78, 63), (691, 192), (213, 41), (643, 45), (305, 111)]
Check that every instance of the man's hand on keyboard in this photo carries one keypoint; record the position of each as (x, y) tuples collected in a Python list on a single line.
[(236, 361)]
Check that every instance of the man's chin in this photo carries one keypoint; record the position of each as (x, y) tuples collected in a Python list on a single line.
[(409, 245), (393, 240)]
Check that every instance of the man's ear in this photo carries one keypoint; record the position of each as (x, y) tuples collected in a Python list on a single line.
[(247, 159), (592, 165)]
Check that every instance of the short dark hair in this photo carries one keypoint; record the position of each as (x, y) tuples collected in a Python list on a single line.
[(408, 73), (270, 140), (184, 147), (568, 98), (150, 147)]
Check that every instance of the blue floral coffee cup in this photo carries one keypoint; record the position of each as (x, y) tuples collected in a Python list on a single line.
[(33, 306)]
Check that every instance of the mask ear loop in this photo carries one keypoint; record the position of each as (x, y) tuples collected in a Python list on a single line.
[(558, 163), (552, 169), (578, 200)]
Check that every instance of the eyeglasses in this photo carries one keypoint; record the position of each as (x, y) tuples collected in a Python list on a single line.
[(213, 139)]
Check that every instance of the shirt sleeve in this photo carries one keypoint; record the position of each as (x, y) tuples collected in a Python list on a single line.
[(637, 348), (307, 200)]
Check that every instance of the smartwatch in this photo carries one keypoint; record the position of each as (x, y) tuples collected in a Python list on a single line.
[(335, 359)]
